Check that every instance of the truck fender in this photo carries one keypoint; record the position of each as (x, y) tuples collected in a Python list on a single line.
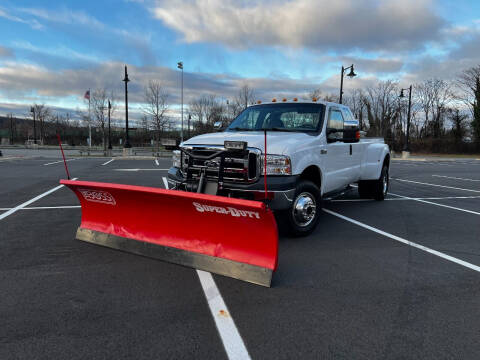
[(372, 163), (313, 173)]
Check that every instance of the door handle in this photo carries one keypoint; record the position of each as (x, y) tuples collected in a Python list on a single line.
[(323, 152)]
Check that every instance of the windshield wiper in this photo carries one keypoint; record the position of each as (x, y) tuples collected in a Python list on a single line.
[(240, 129), (280, 129)]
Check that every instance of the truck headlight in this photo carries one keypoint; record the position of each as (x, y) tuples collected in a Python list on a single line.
[(177, 158), (277, 165)]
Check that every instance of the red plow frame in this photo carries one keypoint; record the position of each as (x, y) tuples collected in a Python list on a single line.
[(231, 237)]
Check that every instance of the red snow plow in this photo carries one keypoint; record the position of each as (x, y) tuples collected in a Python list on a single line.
[(232, 237)]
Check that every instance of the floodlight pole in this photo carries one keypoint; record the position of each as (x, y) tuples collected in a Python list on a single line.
[(109, 136), (180, 66), (126, 80), (32, 110), (407, 143)]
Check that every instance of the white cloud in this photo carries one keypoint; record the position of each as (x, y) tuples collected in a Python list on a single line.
[(65, 16), (34, 24), (320, 24)]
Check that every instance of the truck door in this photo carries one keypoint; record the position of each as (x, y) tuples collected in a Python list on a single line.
[(356, 150), (337, 156)]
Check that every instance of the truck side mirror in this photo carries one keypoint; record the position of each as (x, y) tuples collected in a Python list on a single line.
[(217, 125), (351, 135)]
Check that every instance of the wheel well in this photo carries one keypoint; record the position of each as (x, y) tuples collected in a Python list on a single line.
[(312, 173), (387, 160)]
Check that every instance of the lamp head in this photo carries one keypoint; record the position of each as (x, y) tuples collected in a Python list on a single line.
[(351, 74)]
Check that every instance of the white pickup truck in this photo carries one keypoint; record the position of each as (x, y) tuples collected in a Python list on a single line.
[(313, 150)]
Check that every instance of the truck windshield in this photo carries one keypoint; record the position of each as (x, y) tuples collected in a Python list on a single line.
[(279, 117)]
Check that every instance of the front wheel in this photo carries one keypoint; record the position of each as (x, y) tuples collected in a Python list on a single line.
[(303, 217)]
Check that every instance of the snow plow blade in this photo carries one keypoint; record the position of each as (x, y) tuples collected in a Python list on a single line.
[(231, 237)]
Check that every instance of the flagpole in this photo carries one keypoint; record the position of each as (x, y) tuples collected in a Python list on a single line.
[(89, 121)]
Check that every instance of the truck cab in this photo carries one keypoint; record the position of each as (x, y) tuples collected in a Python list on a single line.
[(312, 149)]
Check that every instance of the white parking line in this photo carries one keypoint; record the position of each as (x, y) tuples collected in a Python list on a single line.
[(26, 203), (436, 185), (140, 169), (45, 207), (406, 242), (232, 341), (437, 204), (156, 162), (60, 161), (108, 162), (408, 198), (455, 178)]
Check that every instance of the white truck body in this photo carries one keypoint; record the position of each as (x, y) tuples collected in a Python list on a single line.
[(339, 166), (313, 149)]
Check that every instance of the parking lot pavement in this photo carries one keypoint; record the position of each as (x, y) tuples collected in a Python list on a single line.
[(350, 290)]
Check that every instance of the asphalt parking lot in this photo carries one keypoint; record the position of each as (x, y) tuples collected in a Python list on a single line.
[(398, 279)]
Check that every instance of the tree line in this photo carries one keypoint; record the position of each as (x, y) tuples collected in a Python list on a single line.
[(445, 115)]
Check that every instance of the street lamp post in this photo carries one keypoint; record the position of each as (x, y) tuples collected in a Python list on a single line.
[(351, 74), (127, 140), (180, 66), (189, 118), (109, 137), (402, 95), (32, 110)]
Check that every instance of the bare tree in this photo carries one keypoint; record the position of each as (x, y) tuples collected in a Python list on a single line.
[(434, 96), (313, 94), (355, 99), (381, 103), (458, 122), (207, 110), (244, 97), (469, 84), (99, 109), (156, 107), (42, 113)]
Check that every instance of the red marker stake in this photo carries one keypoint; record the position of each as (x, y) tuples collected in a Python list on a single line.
[(63, 155), (265, 165)]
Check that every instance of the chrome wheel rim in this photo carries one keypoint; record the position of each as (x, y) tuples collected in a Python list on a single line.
[(304, 209), (385, 183)]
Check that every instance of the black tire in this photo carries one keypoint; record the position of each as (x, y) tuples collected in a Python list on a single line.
[(380, 186), (365, 189), (307, 199), (375, 189)]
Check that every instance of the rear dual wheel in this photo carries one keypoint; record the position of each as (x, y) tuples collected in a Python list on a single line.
[(375, 189)]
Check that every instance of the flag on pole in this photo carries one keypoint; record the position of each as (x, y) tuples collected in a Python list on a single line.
[(87, 95)]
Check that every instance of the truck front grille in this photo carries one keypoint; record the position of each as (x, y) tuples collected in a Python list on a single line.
[(238, 167)]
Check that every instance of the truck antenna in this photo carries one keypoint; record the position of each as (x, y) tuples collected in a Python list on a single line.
[(63, 155), (265, 164)]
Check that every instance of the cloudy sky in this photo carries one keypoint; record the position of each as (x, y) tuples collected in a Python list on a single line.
[(52, 51)]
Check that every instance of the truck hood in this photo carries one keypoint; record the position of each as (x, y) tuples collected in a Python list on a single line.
[(277, 142)]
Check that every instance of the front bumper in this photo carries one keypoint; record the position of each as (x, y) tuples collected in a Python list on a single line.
[(282, 187)]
